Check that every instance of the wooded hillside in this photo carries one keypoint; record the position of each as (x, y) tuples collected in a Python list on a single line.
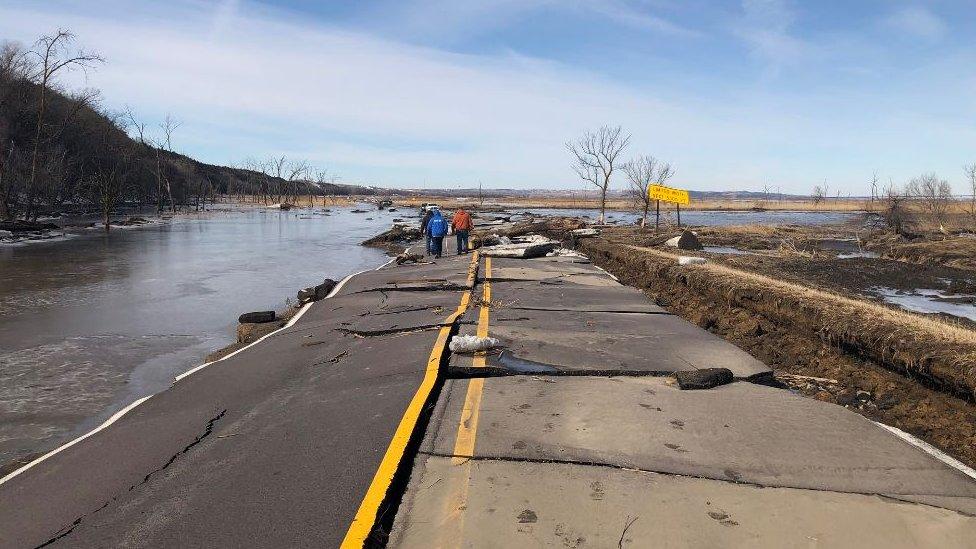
[(63, 150)]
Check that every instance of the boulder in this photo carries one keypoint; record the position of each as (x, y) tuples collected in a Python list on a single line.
[(316, 293), (257, 317), (687, 241)]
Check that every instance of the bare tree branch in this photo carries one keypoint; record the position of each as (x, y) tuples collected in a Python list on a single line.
[(595, 156)]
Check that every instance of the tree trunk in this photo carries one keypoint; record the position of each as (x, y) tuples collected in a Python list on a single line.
[(37, 145), (603, 203)]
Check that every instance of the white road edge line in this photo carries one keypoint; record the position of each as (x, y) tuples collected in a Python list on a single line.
[(115, 417), (930, 450), (608, 273), (108, 422)]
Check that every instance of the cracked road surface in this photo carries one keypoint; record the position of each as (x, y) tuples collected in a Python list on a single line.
[(355, 425), (575, 437)]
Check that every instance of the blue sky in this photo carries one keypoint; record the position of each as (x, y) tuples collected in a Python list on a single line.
[(736, 94)]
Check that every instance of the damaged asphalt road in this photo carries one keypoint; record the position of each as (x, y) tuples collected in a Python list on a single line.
[(275, 446), (357, 424), (576, 427)]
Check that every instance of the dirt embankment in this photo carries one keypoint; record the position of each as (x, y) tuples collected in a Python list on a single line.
[(395, 240), (915, 373)]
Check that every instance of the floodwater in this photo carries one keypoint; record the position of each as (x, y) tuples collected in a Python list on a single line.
[(930, 301), (709, 218), (90, 322)]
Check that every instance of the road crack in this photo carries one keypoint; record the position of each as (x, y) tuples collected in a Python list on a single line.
[(67, 530)]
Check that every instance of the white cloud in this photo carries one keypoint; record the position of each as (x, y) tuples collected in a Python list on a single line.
[(765, 27), (916, 22), (247, 80)]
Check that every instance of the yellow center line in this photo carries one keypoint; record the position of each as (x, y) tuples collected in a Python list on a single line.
[(368, 511), (468, 428), (452, 533)]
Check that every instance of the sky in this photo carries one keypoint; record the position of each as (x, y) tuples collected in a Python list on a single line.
[(737, 95)]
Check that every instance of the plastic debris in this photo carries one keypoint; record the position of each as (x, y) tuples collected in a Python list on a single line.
[(689, 260)]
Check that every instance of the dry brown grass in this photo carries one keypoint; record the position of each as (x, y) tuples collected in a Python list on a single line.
[(621, 204), (930, 348)]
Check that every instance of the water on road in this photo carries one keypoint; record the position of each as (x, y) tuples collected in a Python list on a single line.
[(93, 321)]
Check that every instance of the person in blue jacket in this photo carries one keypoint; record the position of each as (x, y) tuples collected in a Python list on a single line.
[(437, 229)]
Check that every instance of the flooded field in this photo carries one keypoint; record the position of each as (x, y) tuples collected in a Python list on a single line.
[(92, 321)]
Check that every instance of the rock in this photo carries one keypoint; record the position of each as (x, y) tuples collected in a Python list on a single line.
[(687, 241), (704, 378), (689, 260), (257, 317), (316, 293)]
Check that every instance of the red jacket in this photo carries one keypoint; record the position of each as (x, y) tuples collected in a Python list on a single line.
[(462, 221)]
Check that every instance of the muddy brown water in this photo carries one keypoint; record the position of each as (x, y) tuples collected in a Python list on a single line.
[(93, 321)]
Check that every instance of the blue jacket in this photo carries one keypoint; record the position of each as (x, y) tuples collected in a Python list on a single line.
[(437, 226)]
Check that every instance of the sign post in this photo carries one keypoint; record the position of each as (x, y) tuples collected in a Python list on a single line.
[(660, 193)]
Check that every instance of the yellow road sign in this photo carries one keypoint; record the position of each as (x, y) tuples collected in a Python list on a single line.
[(667, 194)]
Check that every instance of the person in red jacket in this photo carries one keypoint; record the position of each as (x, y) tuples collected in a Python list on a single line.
[(462, 224)]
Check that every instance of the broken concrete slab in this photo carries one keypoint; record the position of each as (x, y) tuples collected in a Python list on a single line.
[(522, 504), (581, 342), (523, 251), (742, 433), (572, 297)]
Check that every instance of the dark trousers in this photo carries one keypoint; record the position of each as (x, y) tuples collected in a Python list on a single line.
[(462, 241), (428, 239), (436, 245)]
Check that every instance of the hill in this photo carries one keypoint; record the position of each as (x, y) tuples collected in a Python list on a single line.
[(62, 151)]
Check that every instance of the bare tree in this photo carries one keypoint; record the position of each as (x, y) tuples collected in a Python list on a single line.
[(110, 176), (934, 194), (168, 126), (595, 156), (642, 172), (54, 54), (894, 213), (874, 187), (971, 180), (819, 194), (137, 130)]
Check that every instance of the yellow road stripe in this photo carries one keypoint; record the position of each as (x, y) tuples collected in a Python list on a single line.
[(452, 532), (479, 357), (467, 429), (368, 511)]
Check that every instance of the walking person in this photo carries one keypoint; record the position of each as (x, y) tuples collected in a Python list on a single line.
[(462, 224), (428, 212), (436, 228)]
